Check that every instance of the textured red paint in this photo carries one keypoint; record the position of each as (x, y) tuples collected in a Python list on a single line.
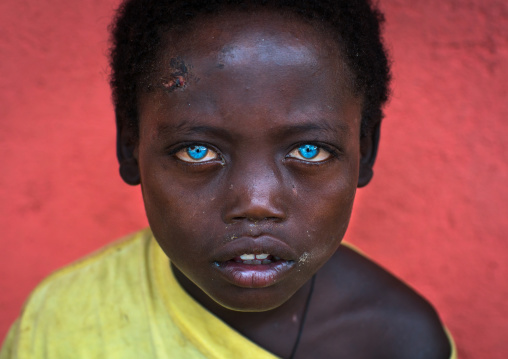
[(435, 213)]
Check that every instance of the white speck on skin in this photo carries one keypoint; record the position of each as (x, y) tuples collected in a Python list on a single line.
[(303, 258)]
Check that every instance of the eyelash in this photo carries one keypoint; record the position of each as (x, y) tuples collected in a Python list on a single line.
[(184, 149), (332, 152)]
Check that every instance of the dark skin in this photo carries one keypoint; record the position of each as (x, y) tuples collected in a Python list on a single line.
[(250, 91)]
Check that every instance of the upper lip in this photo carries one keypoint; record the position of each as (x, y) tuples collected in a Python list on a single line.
[(254, 245)]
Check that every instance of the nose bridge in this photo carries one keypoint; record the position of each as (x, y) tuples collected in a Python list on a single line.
[(255, 191)]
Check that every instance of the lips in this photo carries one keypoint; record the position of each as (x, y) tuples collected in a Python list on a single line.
[(254, 262)]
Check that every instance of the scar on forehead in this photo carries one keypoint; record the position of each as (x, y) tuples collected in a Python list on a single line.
[(178, 78), (174, 82)]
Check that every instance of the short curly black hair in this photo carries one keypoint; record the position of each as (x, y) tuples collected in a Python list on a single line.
[(139, 26)]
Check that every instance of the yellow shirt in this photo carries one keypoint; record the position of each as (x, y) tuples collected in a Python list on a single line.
[(122, 302)]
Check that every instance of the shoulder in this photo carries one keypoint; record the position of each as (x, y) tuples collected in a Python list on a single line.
[(74, 300), (372, 314), (96, 268)]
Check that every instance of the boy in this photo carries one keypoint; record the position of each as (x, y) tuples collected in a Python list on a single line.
[(249, 125)]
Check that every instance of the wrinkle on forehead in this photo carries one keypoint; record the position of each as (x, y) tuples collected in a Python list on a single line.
[(266, 50)]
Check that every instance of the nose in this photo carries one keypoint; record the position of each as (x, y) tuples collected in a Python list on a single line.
[(254, 193)]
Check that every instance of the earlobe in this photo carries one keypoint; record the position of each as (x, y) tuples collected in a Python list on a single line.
[(366, 174), (126, 145), (129, 171), (368, 150)]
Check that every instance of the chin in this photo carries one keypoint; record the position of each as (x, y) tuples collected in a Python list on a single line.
[(252, 300)]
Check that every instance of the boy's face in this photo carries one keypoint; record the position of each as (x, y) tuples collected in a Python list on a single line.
[(249, 144)]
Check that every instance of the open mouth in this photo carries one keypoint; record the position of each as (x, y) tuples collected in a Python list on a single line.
[(250, 259), (256, 259)]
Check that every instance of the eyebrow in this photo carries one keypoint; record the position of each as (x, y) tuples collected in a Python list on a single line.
[(297, 129), (184, 128)]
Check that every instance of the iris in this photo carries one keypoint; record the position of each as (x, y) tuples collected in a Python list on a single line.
[(197, 152), (308, 151)]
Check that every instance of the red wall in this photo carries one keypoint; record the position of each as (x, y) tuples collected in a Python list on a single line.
[(435, 213)]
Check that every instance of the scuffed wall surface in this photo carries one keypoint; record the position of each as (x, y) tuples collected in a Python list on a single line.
[(435, 213)]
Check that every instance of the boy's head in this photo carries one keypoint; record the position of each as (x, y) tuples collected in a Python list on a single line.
[(249, 125)]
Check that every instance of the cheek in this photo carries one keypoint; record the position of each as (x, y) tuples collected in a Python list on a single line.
[(324, 212), (174, 213), (183, 213)]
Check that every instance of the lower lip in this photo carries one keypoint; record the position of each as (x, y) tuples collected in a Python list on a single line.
[(254, 276)]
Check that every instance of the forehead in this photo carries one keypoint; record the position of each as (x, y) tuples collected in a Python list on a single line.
[(254, 66), (230, 24), (237, 38)]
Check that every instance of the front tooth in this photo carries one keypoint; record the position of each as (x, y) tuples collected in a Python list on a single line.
[(247, 257), (262, 256)]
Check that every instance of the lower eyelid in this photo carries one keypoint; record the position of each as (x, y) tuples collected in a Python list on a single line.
[(295, 154), (183, 155)]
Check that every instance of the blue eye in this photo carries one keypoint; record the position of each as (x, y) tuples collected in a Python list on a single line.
[(197, 152), (308, 151)]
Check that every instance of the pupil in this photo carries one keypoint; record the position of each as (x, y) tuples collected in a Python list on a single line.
[(308, 151), (197, 152)]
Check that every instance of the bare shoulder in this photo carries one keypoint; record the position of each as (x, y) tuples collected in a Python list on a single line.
[(362, 311)]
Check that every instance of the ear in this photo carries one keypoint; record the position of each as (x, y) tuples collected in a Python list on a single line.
[(126, 147), (368, 151)]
